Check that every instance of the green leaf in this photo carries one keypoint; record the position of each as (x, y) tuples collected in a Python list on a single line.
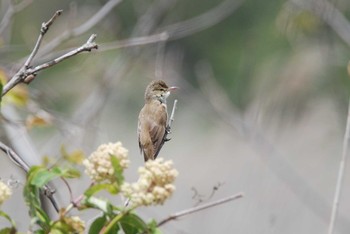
[(32, 198), (8, 231), (97, 225), (6, 216), (133, 224), (111, 188), (44, 175), (100, 204), (118, 170), (70, 173), (153, 227), (114, 229)]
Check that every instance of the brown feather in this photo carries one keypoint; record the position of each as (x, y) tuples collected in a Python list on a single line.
[(153, 119), (151, 128)]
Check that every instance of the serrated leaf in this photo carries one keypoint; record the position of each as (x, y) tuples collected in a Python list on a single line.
[(97, 225), (44, 176), (133, 224), (111, 188), (100, 204)]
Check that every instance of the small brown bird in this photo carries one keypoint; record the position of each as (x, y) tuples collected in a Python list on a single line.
[(153, 118)]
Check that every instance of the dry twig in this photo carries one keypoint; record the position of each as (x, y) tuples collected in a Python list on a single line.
[(168, 129), (199, 208), (269, 153), (340, 172), (101, 14), (26, 71)]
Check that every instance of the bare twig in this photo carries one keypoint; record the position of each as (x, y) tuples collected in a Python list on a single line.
[(21, 74), (136, 41), (340, 172), (25, 72), (199, 208), (275, 160), (80, 29), (14, 157), (172, 114), (44, 28), (48, 192), (88, 46), (202, 21), (168, 129)]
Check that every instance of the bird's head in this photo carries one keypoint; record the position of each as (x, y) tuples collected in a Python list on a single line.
[(158, 90)]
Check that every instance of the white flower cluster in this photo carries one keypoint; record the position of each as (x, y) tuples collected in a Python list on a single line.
[(5, 192), (99, 166), (155, 184)]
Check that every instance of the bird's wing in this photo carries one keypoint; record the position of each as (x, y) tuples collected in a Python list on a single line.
[(157, 130), (157, 134)]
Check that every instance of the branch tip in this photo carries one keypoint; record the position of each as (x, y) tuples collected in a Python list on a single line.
[(92, 38), (45, 26)]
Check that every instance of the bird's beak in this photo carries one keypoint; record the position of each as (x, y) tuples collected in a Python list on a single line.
[(172, 88)]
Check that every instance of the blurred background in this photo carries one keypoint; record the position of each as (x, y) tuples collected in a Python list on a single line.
[(262, 103)]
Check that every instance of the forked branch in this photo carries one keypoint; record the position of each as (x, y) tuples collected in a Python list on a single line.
[(27, 73)]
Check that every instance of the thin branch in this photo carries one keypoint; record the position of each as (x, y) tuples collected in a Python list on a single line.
[(202, 21), (341, 172), (199, 208), (24, 72), (136, 41), (214, 95), (172, 114), (20, 75), (15, 158), (88, 46), (168, 129), (69, 188), (44, 28), (96, 18), (48, 192)]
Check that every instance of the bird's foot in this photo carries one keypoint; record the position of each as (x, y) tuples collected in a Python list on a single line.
[(167, 139)]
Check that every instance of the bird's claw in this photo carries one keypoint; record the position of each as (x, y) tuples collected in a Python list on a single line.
[(168, 129), (167, 139)]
